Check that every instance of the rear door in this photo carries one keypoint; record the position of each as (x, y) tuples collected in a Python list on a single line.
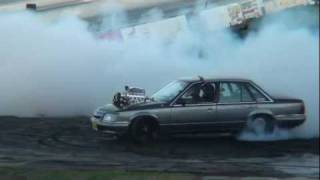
[(235, 102)]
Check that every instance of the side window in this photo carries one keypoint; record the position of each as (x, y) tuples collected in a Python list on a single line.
[(257, 95), (191, 96), (229, 93), (199, 93), (234, 93), (245, 94)]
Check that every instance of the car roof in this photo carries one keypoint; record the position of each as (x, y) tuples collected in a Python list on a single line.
[(199, 79)]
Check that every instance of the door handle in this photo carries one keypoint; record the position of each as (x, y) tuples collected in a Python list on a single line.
[(210, 109)]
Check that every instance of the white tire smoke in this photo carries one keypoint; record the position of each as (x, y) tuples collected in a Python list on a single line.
[(62, 70)]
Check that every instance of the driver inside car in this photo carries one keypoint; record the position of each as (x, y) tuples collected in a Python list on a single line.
[(202, 94), (208, 92)]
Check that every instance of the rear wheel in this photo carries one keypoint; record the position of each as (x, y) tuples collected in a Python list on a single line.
[(144, 131), (261, 125)]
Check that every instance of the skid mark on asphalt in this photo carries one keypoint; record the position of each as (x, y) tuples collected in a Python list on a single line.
[(63, 143)]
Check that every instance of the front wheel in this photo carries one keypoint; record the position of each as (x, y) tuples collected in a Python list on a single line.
[(143, 131)]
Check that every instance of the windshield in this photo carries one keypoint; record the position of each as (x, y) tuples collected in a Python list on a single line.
[(170, 91)]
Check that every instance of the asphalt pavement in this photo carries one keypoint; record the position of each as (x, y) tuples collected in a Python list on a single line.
[(59, 143)]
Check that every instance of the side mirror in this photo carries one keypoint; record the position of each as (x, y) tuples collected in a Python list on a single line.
[(181, 102)]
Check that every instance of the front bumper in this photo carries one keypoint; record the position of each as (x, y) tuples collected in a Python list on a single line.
[(115, 128)]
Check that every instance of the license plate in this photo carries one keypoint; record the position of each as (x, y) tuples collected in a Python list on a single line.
[(94, 126)]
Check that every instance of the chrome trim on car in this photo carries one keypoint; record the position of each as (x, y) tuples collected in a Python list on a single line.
[(289, 117), (195, 105), (197, 123), (117, 124), (109, 132), (237, 103)]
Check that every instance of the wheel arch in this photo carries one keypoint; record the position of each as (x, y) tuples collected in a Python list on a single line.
[(143, 116), (267, 113)]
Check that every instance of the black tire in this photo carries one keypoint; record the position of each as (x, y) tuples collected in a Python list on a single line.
[(261, 124), (144, 131)]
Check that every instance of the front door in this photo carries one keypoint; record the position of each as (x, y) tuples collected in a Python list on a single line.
[(194, 109)]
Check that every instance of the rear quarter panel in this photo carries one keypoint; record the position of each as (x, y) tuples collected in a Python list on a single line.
[(281, 108)]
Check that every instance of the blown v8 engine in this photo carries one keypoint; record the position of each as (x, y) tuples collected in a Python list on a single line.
[(131, 95)]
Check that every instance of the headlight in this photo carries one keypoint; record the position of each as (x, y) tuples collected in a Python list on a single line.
[(98, 113), (109, 118)]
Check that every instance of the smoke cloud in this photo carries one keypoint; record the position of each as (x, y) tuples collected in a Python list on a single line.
[(61, 69)]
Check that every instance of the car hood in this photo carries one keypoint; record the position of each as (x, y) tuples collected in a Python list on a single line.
[(144, 105), (101, 111)]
